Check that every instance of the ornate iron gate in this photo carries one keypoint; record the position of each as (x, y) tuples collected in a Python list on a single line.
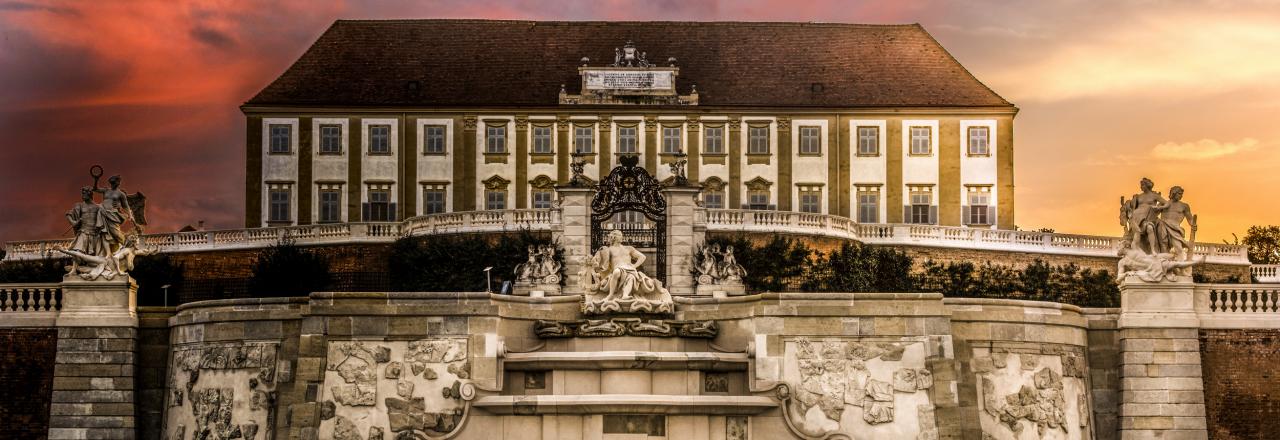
[(630, 188)]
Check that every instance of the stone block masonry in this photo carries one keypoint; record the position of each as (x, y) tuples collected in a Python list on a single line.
[(26, 379), (1240, 381), (93, 383), (1162, 392)]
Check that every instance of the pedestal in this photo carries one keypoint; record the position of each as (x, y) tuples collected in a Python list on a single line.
[(536, 290), (721, 290), (573, 233), (99, 303), (1162, 390), (93, 372)]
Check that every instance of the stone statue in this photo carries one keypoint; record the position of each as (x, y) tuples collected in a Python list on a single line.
[(715, 267), (101, 248), (84, 221), (1154, 248), (118, 263), (576, 167), (614, 283), (678, 169), (540, 268)]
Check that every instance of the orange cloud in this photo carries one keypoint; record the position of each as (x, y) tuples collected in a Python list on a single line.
[(1202, 149)]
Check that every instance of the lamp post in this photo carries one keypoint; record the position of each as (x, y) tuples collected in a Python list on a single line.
[(166, 294), (488, 279)]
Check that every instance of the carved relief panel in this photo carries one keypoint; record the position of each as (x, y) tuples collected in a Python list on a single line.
[(223, 391), (1032, 393), (394, 389), (863, 388)]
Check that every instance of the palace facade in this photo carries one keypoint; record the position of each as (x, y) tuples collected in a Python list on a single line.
[(385, 120)]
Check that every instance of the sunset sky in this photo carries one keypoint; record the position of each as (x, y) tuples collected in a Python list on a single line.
[(1182, 92)]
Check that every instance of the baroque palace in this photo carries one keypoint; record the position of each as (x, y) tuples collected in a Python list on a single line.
[(386, 120)]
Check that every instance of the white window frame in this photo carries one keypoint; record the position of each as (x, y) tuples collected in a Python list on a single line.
[(324, 147), (435, 144), (921, 146), (543, 143), (280, 142), (337, 205), (867, 197), (717, 140), (272, 204), (757, 139), (672, 140), (584, 139), (495, 199), (495, 139), (810, 140), (629, 143), (870, 138)]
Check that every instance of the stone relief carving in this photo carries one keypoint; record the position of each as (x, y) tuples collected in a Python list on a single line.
[(101, 248), (421, 391), (832, 376), (205, 381), (735, 428), (614, 283), (716, 266), (625, 327), (1154, 248), (542, 267), (1023, 390)]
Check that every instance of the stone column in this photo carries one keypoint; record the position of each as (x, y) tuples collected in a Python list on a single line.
[(682, 237), (93, 372), (573, 234), (1162, 391)]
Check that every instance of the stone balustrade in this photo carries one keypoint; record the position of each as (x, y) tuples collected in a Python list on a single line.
[(30, 305), (1238, 305), (716, 220), (1266, 273)]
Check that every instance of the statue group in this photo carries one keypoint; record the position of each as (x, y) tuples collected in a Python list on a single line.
[(716, 266), (1154, 247), (540, 268), (102, 249), (614, 283)]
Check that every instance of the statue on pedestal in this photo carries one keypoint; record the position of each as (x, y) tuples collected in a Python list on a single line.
[(540, 268), (101, 248), (614, 283), (1154, 248), (714, 266)]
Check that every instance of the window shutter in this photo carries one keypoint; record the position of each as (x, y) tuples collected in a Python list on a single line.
[(991, 215), (364, 212), (966, 214), (933, 214), (392, 214), (906, 213)]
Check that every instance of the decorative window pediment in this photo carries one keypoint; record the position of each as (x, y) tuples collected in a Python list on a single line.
[(542, 182), (758, 184), (713, 184), (496, 183)]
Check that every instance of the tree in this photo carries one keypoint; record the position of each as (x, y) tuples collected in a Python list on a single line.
[(1264, 244), (286, 270), (454, 263)]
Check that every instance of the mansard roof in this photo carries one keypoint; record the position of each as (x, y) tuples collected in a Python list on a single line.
[(500, 63)]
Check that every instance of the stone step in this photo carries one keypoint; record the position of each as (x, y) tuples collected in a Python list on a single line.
[(626, 360), (626, 404)]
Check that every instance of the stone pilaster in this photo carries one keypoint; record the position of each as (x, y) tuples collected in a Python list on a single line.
[(1162, 390), (681, 238), (573, 233), (93, 372)]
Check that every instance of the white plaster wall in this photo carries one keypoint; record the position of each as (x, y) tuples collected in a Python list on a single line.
[(434, 167), (280, 167), (868, 169), (486, 170), (919, 169), (810, 169), (379, 166), (978, 170), (328, 167), (767, 171), (708, 170)]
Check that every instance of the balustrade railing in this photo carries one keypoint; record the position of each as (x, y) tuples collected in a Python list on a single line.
[(1238, 305), (1266, 273), (30, 298)]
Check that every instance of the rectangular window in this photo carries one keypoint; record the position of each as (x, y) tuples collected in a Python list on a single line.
[(921, 141), (584, 138), (279, 205), (671, 140), (868, 205), (714, 140), (330, 139), (758, 199), (330, 205), (542, 140), (432, 200), (496, 199), (713, 199), (495, 140), (433, 139), (758, 140), (379, 205), (542, 198), (921, 205), (979, 141), (810, 199), (810, 140), (868, 141), (281, 138), (628, 140), (379, 139), (979, 206)]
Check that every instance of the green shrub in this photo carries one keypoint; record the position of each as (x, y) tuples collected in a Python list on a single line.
[(455, 263), (152, 273), (286, 270), (33, 271), (859, 268), (776, 266)]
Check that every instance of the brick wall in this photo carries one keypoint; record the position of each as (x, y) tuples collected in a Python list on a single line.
[(226, 274), (26, 381), (1241, 383)]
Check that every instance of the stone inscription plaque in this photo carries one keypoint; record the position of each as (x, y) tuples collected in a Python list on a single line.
[(629, 80)]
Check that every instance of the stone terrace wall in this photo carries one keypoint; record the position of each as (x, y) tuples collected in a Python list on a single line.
[(1104, 370), (1241, 383), (26, 381), (152, 369)]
